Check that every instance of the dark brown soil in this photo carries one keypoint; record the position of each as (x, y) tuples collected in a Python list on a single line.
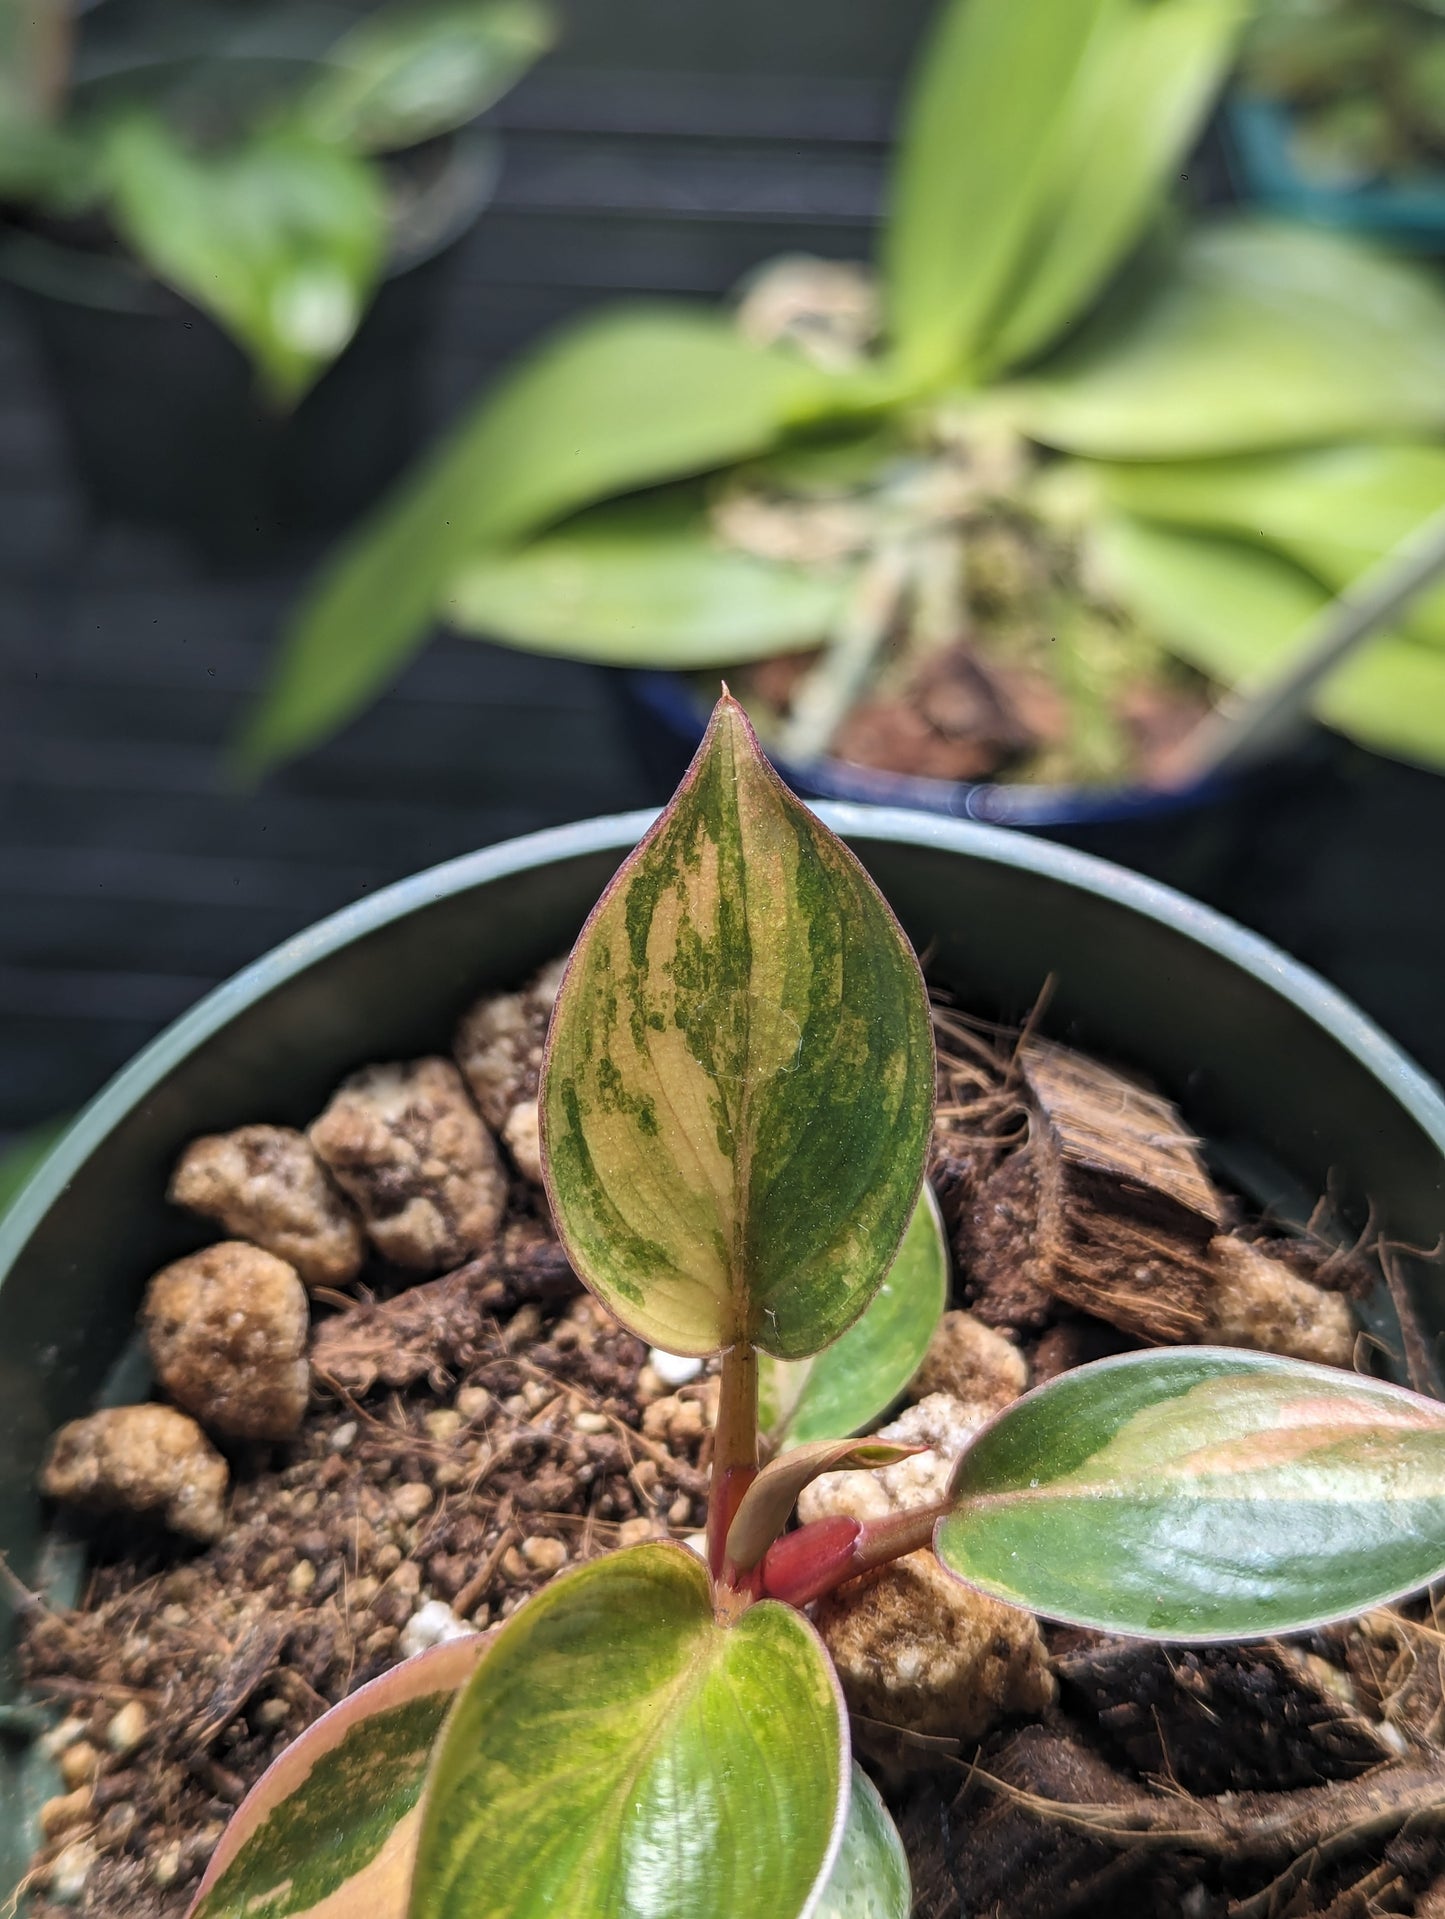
[(517, 1449), (473, 1434)]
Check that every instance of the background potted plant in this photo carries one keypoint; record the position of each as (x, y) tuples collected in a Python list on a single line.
[(1261, 1053), (850, 454), (208, 207), (1339, 115)]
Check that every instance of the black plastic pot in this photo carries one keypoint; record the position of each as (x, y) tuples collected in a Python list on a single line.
[(165, 426), (1293, 1090)]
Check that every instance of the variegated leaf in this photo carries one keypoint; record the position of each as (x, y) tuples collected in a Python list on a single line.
[(621, 1751), (871, 1879), (738, 1085), (855, 1380), (1202, 1494), (330, 1830)]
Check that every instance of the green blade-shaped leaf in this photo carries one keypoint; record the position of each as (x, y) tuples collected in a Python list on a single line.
[(331, 1827), (768, 1502), (1256, 336), (645, 583), (1151, 74), (976, 165), (1202, 1493), (871, 1879), (856, 1379), (738, 1086), (611, 404), (1335, 510), (1234, 611), (410, 72), (619, 1751), (280, 240)]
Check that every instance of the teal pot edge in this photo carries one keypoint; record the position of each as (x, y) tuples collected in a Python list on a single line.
[(1303, 988), (1403, 213)]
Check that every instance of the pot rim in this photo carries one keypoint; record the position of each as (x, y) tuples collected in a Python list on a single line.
[(1302, 988)]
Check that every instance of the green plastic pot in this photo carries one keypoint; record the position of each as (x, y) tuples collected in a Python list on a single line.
[(1294, 1090)]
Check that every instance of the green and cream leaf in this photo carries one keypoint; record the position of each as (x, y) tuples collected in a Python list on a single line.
[(738, 1086), (1202, 1494), (620, 1751), (331, 1828)]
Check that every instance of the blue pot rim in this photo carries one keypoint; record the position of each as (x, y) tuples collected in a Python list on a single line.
[(1259, 146), (669, 698), (618, 833)]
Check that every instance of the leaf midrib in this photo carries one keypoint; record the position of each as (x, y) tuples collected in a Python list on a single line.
[(689, 1682)]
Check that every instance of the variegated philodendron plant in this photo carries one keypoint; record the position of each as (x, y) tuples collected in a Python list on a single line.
[(736, 1106)]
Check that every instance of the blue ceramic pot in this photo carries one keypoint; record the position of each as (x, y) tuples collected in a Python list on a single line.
[(1409, 213)]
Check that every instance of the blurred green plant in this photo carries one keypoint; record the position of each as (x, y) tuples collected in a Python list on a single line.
[(242, 174), (1366, 81), (1031, 298)]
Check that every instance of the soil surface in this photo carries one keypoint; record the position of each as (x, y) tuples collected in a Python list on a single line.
[(472, 1434)]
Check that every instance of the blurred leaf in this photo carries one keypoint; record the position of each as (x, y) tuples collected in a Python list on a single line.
[(855, 457), (1234, 610), (281, 239), (644, 583), (50, 166), (1200, 1494), (870, 1879), (982, 137), (412, 71), (738, 1082), (22, 1157), (611, 404), (850, 1383), (620, 1751), (1335, 510), (35, 47), (333, 1823), (1256, 336), (1152, 72)]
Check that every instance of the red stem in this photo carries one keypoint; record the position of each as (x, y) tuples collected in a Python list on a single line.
[(735, 1452)]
